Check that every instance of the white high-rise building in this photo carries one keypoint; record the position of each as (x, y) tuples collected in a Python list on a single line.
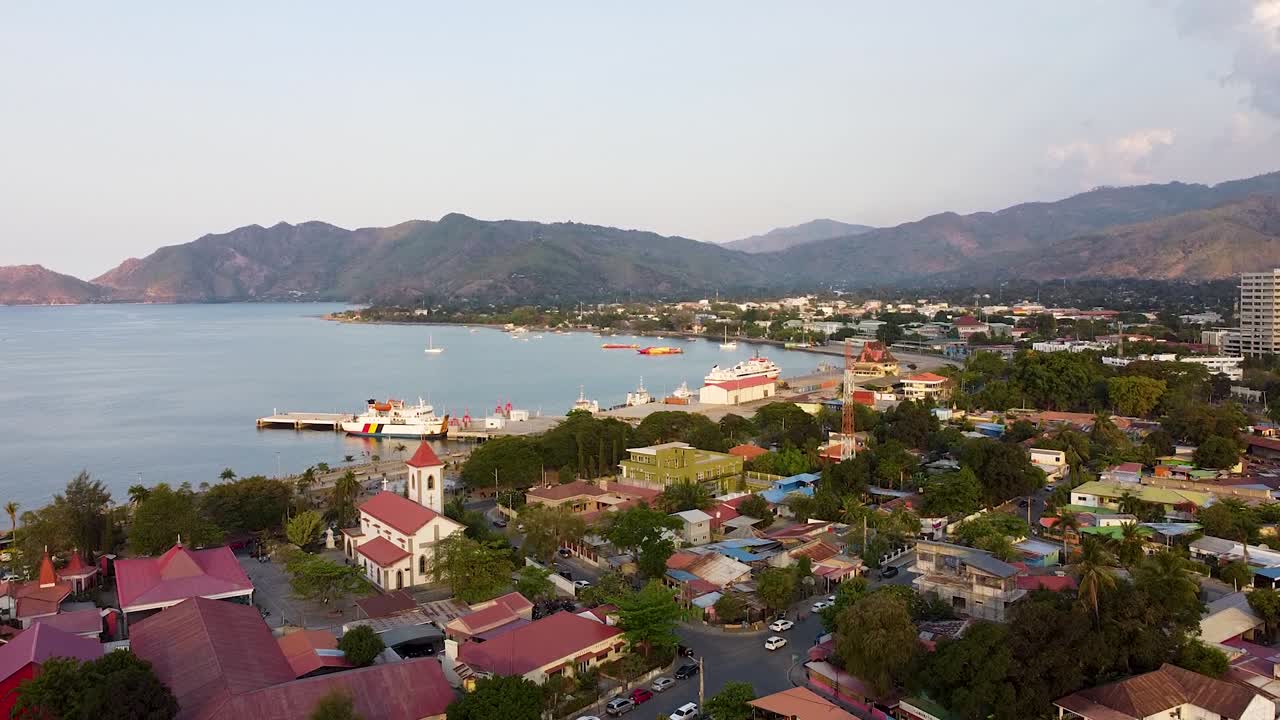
[(1259, 332)]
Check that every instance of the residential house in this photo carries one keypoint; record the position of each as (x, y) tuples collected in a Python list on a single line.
[(148, 585), (21, 657), (221, 662), (1230, 618), (695, 574), (875, 360), (925, 386), (747, 451), (78, 574), (313, 652), (797, 703), (85, 622), (1130, 472), (1176, 504), (396, 540), (967, 325), (1264, 562), (578, 496), (695, 527), (972, 581), (777, 494), (658, 466), (41, 597), (736, 392), (1052, 462), (831, 681), (1170, 692), (922, 708), (485, 619), (563, 644), (1038, 553)]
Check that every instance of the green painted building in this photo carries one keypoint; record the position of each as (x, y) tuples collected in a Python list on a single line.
[(658, 466)]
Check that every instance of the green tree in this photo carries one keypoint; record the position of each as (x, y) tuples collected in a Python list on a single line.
[(754, 506), (848, 594), (117, 686), (1165, 579), (730, 608), (952, 494), (1004, 470), (970, 676), (877, 641), (11, 509), (1266, 603), (362, 645), (1129, 546), (1093, 567), (1236, 574), (785, 423), (641, 531), (547, 528), (335, 705), (250, 504), (786, 462), (227, 474), (1198, 657), (163, 516), (1217, 452), (81, 510), (611, 587), (649, 618), (736, 429), (316, 578), (535, 583), (506, 697), (684, 495), (342, 500), (1229, 518), (304, 528), (776, 587), (1134, 395), (731, 702), (514, 457), (475, 571)]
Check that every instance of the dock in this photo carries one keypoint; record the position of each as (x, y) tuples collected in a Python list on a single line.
[(304, 421)]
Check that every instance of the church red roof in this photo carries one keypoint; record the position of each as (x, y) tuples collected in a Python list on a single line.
[(425, 457), (47, 576), (382, 552), (400, 513)]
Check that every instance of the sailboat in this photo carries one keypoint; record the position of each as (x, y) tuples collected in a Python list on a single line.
[(727, 345), (431, 348)]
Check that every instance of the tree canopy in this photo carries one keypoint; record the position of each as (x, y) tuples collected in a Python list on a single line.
[(117, 686), (506, 697), (361, 644), (475, 571), (165, 514), (649, 618)]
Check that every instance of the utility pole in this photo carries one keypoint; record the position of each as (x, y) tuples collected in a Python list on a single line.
[(848, 446), (702, 700)]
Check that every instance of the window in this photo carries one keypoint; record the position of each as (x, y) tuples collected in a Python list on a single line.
[(413, 481), (431, 482), (422, 564)]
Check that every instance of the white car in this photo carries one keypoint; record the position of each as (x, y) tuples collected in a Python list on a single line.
[(781, 625), (687, 711), (582, 584), (820, 605), (774, 643)]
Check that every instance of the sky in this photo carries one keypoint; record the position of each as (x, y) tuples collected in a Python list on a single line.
[(129, 126)]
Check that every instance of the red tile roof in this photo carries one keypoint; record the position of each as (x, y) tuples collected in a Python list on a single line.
[(747, 451), (382, 605), (926, 377), (33, 600), (424, 456), (493, 614), (221, 662), (400, 513), (540, 643), (722, 513), (206, 651), (41, 642), (682, 560), (300, 649), (966, 321), (745, 382), (408, 690), (77, 622), (179, 574), (382, 552)]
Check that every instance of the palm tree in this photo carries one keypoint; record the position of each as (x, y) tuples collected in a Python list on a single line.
[(11, 509), (1128, 503), (138, 493), (400, 448), (1093, 567), (343, 500), (1130, 543), (227, 474), (1065, 520)]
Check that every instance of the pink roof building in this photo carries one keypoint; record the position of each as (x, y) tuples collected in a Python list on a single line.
[(78, 574), (563, 642), (21, 657), (179, 574), (41, 597)]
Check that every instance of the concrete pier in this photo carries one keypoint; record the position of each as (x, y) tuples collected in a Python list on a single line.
[(304, 421)]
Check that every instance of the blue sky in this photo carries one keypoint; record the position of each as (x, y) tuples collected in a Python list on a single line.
[(124, 127)]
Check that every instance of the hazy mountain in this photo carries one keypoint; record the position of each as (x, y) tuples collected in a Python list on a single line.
[(786, 237), (37, 285), (457, 256), (948, 241), (1211, 244)]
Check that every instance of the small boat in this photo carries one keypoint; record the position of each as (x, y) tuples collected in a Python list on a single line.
[(727, 345), (660, 350), (619, 346), (431, 348)]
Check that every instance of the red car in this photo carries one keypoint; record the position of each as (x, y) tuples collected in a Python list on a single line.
[(640, 695)]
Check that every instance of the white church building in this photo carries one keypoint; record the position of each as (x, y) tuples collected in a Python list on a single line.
[(395, 541)]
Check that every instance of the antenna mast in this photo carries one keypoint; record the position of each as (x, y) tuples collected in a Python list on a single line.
[(848, 448)]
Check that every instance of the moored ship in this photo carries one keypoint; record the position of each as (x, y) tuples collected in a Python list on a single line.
[(619, 346), (394, 418), (660, 350), (751, 368)]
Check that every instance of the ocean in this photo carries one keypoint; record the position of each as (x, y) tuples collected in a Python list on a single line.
[(170, 393)]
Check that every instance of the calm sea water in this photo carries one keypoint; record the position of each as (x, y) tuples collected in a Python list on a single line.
[(170, 392)]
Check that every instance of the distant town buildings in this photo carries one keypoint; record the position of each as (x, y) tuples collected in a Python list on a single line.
[(1259, 331), (660, 465)]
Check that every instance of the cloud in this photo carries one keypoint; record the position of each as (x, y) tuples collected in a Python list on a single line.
[(1125, 160), (1253, 28)]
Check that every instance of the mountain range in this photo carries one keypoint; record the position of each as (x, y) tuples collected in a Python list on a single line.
[(1169, 231)]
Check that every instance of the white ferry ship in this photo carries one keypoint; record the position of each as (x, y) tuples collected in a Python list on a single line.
[(394, 418), (582, 403), (752, 368), (639, 397)]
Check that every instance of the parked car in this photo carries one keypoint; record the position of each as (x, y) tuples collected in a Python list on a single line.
[(586, 717), (686, 671), (687, 711), (564, 552), (619, 706), (781, 625), (582, 584), (684, 651), (831, 599), (640, 695), (565, 574), (500, 523), (888, 571), (774, 643), (662, 683), (820, 605)]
